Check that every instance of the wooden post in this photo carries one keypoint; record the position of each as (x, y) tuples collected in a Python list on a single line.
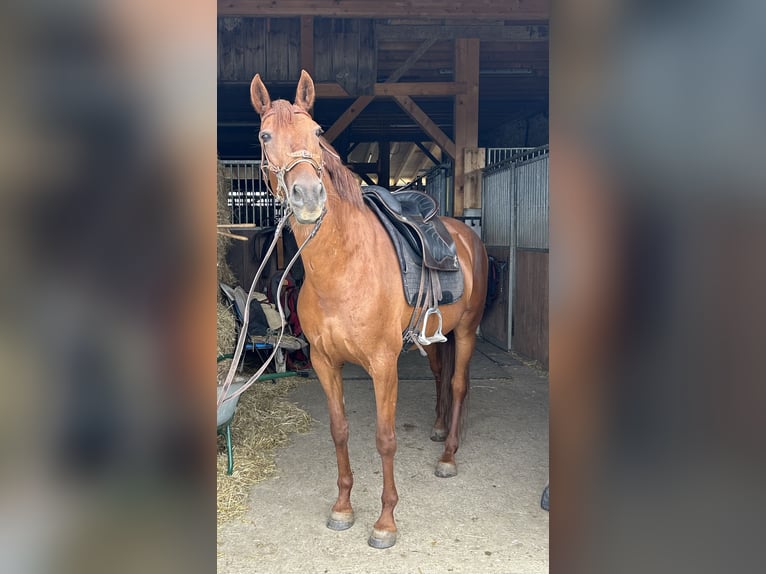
[(307, 44), (466, 117), (384, 164), (473, 159)]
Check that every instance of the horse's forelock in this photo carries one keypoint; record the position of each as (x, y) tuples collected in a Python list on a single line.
[(282, 111)]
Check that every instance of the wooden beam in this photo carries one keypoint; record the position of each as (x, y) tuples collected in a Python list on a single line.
[(362, 101), (428, 157), (333, 90), (427, 153), (366, 178), (347, 117), (414, 57), (330, 90), (428, 125), (466, 120), (453, 9), (307, 44), (361, 168), (420, 89), (384, 164), (412, 149), (488, 32)]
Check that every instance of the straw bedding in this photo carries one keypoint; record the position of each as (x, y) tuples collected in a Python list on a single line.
[(263, 421)]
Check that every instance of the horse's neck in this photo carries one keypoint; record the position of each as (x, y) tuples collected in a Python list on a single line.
[(343, 232)]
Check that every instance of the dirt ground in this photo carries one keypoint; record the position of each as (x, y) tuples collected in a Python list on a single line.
[(485, 520)]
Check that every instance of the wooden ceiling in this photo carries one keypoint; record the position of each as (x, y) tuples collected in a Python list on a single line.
[(513, 70)]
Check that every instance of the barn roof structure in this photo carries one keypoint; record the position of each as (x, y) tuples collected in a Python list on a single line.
[(401, 86)]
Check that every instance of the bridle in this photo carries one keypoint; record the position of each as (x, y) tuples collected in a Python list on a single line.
[(301, 156)]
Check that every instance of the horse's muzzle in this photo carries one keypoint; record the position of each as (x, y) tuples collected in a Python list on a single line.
[(307, 200)]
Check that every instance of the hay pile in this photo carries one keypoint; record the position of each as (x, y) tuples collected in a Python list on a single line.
[(223, 216), (226, 324), (264, 420)]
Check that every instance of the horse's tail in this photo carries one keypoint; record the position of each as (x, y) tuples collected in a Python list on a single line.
[(447, 360)]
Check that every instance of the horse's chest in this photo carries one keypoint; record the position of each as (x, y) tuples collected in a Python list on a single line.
[(348, 326)]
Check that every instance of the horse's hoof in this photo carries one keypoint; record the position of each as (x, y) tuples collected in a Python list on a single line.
[(382, 538), (340, 520), (438, 435), (445, 469)]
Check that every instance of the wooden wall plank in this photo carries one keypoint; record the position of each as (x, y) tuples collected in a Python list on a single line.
[(452, 9), (241, 48), (282, 58), (346, 56), (367, 73), (323, 38), (530, 305)]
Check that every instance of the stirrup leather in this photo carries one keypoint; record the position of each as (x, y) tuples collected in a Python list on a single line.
[(438, 336)]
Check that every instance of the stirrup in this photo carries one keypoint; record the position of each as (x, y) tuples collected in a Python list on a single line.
[(438, 336)]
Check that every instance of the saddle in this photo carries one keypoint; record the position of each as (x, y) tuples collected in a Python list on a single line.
[(411, 214), (427, 256)]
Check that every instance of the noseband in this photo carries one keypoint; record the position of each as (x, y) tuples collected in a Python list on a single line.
[(301, 156)]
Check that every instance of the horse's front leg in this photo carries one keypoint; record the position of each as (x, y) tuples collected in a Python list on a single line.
[(342, 514), (386, 382)]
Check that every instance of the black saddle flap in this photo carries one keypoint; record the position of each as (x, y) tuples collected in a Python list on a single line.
[(412, 214)]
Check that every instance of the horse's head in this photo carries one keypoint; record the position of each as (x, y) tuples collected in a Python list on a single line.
[(291, 149)]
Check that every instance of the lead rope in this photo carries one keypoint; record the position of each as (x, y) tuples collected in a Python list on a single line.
[(224, 396)]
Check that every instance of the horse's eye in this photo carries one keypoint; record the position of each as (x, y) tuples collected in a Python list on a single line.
[(319, 132), (265, 137)]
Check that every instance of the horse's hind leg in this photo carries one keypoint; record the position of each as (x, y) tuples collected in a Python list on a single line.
[(342, 514), (465, 342), (439, 430)]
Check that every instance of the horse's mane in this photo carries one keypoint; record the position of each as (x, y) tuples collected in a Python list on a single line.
[(342, 178)]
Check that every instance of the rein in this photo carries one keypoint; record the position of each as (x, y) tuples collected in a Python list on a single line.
[(301, 156), (246, 317)]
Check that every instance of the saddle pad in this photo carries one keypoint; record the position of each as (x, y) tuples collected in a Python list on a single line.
[(410, 265)]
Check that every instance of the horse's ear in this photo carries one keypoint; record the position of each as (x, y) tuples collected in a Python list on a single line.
[(259, 95), (304, 95)]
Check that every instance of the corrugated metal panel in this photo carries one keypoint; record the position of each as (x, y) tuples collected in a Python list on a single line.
[(532, 205), (514, 218), (497, 204)]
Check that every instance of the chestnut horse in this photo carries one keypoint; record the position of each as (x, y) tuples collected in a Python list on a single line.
[(352, 305)]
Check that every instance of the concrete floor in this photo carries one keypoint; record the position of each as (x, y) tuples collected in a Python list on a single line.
[(485, 520)]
